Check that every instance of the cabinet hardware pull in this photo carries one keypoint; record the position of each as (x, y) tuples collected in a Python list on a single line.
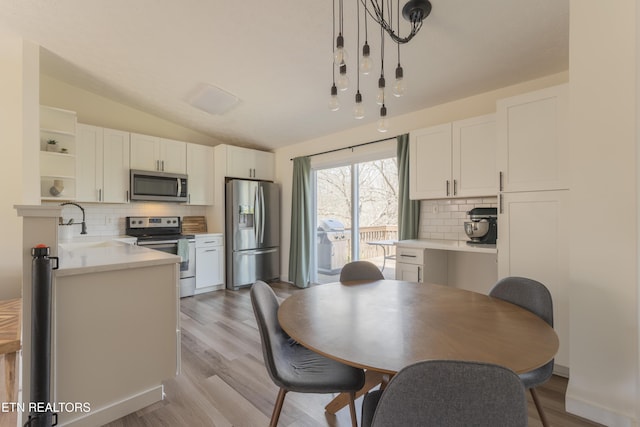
[(127, 195), (407, 256), (455, 187), (500, 181), (100, 195), (162, 165), (157, 165), (501, 203), (211, 250), (447, 187)]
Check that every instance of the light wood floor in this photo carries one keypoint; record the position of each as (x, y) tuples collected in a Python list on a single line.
[(224, 381)]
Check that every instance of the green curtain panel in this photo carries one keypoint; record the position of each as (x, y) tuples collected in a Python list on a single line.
[(301, 223), (408, 210)]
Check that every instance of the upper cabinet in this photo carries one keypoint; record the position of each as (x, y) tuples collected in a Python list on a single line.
[(454, 160), (151, 153), (200, 171), (245, 163), (533, 140), (103, 165), (57, 154)]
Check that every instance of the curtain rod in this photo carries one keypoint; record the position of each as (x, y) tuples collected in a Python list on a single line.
[(351, 147)]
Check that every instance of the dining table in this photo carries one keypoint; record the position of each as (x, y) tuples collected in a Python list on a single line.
[(384, 325)]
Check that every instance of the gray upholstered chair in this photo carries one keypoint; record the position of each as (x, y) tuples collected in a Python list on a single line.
[(293, 367), (448, 393), (360, 270), (535, 297)]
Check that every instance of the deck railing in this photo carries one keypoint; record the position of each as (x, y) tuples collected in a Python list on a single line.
[(372, 234)]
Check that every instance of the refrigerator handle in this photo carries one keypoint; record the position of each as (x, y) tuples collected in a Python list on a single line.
[(262, 214), (256, 215)]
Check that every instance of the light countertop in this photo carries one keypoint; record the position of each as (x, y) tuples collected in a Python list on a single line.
[(91, 255), (449, 245)]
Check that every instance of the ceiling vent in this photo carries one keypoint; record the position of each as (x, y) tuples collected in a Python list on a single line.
[(213, 100)]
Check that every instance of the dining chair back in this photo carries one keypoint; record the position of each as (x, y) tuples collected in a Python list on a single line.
[(360, 270), (448, 393), (535, 297), (293, 367)]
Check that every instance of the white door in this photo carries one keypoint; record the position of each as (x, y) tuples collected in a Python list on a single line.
[(408, 272), (430, 163), (116, 166), (173, 156), (533, 140), (533, 242), (474, 157), (145, 152), (89, 163)]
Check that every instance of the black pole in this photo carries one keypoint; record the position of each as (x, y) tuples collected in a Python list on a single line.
[(41, 268)]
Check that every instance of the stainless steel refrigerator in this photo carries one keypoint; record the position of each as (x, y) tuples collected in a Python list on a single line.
[(252, 232)]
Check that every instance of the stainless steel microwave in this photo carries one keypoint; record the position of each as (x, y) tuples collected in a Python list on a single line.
[(158, 186)]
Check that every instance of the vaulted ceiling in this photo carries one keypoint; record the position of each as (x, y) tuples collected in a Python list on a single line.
[(275, 56)]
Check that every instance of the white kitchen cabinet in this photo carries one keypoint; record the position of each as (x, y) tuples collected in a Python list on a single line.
[(103, 165), (533, 242), (247, 163), (152, 153), (209, 261), (533, 149), (421, 265), (200, 171), (57, 154), (454, 160)]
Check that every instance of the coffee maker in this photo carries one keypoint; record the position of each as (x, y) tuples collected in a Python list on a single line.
[(483, 227)]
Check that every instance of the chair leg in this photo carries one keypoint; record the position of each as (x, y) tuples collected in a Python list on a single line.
[(536, 401), (352, 409), (277, 408)]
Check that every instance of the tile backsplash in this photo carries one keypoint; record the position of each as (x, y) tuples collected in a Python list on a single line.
[(109, 220), (444, 218)]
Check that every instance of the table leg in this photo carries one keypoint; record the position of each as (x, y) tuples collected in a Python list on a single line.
[(371, 380), (10, 375), (384, 256)]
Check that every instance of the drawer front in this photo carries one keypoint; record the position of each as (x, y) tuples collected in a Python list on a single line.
[(410, 255), (208, 240)]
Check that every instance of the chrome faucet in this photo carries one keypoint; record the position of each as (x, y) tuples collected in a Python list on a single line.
[(84, 223)]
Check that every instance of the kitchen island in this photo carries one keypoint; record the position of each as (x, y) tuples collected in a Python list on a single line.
[(115, 324), (116, 332)]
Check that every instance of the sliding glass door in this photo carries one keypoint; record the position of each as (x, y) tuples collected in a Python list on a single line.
[(356, 216)]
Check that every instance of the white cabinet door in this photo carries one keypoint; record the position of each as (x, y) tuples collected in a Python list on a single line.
[(249, 164), (173, 156), (209, 266), (408, 272), (145, 152), (200, 171), (533, 140), (89, 142), (430, 163), (533, 242), (474, 157), (115, 166)]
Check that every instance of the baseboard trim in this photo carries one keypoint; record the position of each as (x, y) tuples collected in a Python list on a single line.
[(597, 413), (117, 410)]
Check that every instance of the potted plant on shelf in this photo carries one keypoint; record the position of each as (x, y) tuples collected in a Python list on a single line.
[(52, 145)]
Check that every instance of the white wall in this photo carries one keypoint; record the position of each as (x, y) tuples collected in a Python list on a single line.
[(19, 116), (603, 383), (469, 107), (96, 110)]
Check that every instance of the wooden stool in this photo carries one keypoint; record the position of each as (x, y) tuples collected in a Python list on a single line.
[(10, 319)]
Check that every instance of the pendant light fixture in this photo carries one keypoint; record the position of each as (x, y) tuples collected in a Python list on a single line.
[(414, 11)]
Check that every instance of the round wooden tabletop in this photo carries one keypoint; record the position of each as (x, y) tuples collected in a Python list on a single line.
[(385, 325)]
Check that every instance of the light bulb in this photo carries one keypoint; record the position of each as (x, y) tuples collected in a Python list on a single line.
[(383, 122), (366, 64), (399, 87), (380, 93), (342, 81), (358, 109), (340, 54), (334, 102)]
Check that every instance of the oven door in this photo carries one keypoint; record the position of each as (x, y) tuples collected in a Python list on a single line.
[(188, 268)]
